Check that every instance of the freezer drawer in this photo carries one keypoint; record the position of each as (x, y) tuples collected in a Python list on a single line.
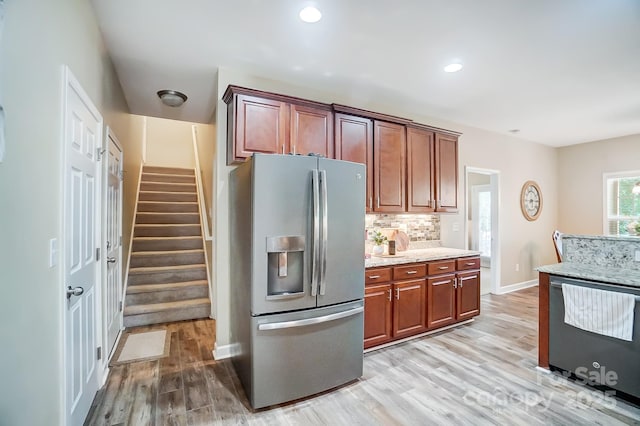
[(591, 356), (302, 353)]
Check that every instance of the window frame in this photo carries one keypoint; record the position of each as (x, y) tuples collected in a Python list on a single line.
[(605, 198)]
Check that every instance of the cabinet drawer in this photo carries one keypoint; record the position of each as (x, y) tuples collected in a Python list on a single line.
[(409, 272), (442, 267), (468, 263), (380, 275)]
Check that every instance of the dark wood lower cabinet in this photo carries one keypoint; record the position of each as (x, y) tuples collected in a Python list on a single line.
[(395, 308), (441, 295), (377, 314), (468, 295), (409, 308)]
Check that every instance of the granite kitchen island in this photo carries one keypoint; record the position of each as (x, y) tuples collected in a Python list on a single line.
[(607, 265)]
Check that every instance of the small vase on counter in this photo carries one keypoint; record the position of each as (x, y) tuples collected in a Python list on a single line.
[(378, 250)]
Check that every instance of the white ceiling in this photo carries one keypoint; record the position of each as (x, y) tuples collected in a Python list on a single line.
[(561, 71)]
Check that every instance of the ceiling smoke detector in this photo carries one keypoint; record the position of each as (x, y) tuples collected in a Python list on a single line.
[(172, 98), (310, 14)]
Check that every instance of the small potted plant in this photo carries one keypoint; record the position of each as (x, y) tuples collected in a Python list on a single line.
[(378, 240)]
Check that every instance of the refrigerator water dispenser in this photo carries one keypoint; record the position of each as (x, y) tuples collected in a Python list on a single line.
[(285, 276)]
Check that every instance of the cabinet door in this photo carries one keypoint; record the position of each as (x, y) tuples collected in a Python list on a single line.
[(420, 171), (409, 309), (354, 142), (261, 125), (441, 296), (468, 297), (377, 314), (389, 144), (446, 173), (311, 131)]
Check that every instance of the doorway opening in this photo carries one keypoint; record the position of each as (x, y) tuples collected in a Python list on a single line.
[(482, 224)]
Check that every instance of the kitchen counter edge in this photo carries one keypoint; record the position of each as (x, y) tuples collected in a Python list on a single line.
[(423, 255), (618, 276)]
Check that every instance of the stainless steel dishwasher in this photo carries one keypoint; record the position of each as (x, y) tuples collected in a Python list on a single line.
[(591, 356)]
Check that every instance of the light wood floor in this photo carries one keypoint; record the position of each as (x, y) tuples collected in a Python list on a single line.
[(481, 373)]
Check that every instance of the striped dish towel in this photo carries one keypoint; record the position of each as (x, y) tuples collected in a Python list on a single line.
[(608, 313)]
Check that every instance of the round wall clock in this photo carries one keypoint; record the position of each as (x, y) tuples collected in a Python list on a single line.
[(531, 200)]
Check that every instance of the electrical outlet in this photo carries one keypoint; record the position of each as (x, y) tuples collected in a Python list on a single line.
[(517, 267), (637, 255), (456, 227)]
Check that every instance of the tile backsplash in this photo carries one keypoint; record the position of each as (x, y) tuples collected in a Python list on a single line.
[(419, 227)]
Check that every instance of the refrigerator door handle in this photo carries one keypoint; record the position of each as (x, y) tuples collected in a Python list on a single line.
[(325, 228), (310, 321), (315, 253)]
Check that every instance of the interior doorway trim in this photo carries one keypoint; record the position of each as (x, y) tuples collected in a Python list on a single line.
[(495, 219)]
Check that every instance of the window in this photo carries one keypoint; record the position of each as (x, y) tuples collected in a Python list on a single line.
[(622, 205)]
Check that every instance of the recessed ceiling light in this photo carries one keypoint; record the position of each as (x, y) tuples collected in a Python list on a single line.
[(514, 131), (455, 67), (310, 14)]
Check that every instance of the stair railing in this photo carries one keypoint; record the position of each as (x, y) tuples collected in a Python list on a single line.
[(204, 217)]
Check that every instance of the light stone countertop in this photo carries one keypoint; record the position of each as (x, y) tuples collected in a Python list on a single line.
[(603, 274), (421, 255), (633, 238)]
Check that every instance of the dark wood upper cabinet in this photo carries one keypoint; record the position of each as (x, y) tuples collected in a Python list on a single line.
[(311, 130), (354, 142), (389, 182), (420, 170), (411, 167), (446, 173), (260, 125)]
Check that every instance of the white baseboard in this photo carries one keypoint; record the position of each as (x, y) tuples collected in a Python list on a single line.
[(222, 352), (517, 286)]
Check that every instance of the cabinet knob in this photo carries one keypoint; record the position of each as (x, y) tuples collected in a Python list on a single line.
[(373, 277), (398, 293), (442, 268), (412, 272), (389, 295)]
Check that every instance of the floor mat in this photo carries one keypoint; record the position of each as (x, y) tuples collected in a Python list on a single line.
[(145, 346)]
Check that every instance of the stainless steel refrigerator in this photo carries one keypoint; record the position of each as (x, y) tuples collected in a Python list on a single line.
[(297, 275)]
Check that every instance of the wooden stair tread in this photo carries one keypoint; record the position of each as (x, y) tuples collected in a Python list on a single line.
[(165, 213), (166, 306), (149, 288), (172, 268), (174, 252), (177, 170), (181, 237), (159, 225)]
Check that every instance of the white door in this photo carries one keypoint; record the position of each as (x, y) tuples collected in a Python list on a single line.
[(113, 289), (82, 140)]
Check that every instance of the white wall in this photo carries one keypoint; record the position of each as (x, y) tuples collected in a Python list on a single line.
[(39, 37), (169, 143), (523, 242), (580, 173)]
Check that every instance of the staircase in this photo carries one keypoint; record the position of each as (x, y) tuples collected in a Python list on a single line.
[(167, 271)]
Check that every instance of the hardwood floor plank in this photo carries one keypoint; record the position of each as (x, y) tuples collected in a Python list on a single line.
[(483, 373), (196, 394), (171, 410)]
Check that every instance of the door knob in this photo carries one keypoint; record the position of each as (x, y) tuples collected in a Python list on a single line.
[(77, 291), (111, 260)]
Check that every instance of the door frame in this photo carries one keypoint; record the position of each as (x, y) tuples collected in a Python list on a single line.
[(495, 219), (475, 191), (107, 351), (71, 83)]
